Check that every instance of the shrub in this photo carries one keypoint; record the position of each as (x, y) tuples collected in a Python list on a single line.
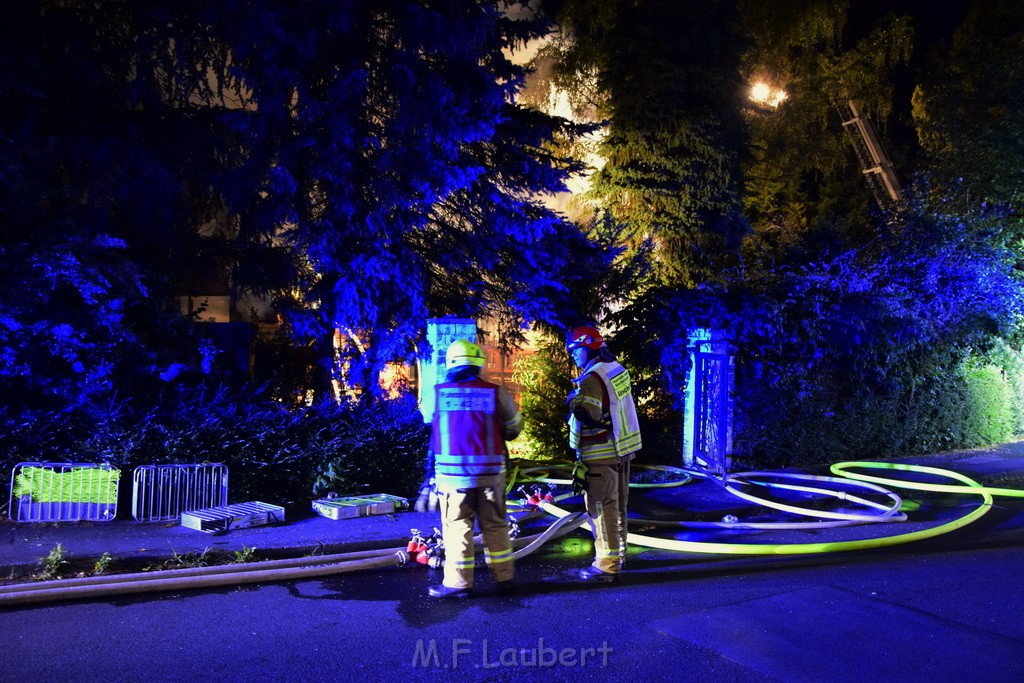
[(376, 446), (273, 452), (989, 404), (945, 400), (546, 379)]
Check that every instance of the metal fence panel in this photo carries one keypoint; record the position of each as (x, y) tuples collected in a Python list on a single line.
[(63, 492), (162, 492), (237, 516), (713, 442)]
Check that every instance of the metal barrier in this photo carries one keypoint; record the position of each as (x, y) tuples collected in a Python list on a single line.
[(63, 492), (162, 492), (237, 516)]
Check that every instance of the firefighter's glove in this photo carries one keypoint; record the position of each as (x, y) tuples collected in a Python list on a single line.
[(571, 400), (579, 477), (427, 499)]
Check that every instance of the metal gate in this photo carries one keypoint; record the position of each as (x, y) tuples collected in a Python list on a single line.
[(708, 401), (712, 437), (162, 492), (63, 492)]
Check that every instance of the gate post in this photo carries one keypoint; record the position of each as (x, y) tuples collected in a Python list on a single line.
[(441, 332), (708, 401)]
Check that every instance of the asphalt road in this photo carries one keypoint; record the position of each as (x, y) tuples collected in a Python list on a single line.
[(945, 609)]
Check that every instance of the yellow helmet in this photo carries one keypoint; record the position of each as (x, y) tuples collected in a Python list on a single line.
[(462, 353)]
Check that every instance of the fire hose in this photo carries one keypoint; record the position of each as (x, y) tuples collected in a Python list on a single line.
[(889, 513), (312, 567), (199, 577), (969, 486), (289, 569)]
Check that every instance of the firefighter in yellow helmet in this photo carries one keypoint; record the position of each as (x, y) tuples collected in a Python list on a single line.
[(472, 420), (605, 434)]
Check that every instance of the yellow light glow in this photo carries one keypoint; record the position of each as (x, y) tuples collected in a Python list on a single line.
[(762, 93), (395, 379)]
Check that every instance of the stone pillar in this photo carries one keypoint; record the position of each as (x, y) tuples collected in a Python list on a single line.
[(441, 332)]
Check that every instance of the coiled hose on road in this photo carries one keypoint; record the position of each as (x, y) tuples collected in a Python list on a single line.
[(313, 567), (969, 486)]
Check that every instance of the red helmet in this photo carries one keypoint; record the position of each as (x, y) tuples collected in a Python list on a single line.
[(584, 335)]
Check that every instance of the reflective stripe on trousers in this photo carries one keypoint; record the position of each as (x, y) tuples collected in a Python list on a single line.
[(623, 500)]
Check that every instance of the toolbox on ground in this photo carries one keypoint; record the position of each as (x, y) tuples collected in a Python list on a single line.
[(346, 507)]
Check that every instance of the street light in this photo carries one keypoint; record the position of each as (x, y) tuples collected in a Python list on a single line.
[(762, 93)]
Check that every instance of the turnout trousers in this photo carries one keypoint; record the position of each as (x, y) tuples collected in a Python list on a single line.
[(606, 498), (459, 507)]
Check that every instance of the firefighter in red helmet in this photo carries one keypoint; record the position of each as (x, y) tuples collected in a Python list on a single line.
[(604, 432), (472, 420)]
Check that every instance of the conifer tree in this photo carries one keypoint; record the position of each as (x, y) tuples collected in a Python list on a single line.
[(394, 160), (364, 163), (662, 76)]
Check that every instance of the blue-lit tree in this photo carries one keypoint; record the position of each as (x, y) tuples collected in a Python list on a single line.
[(363, 163), (866, 353), (383, 147), (92, 194)]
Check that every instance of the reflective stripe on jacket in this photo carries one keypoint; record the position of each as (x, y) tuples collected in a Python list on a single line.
[(617, 406), (471, 422)]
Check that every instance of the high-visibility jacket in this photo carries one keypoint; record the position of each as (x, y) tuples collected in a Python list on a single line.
[(619, 435), (472, 420)]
